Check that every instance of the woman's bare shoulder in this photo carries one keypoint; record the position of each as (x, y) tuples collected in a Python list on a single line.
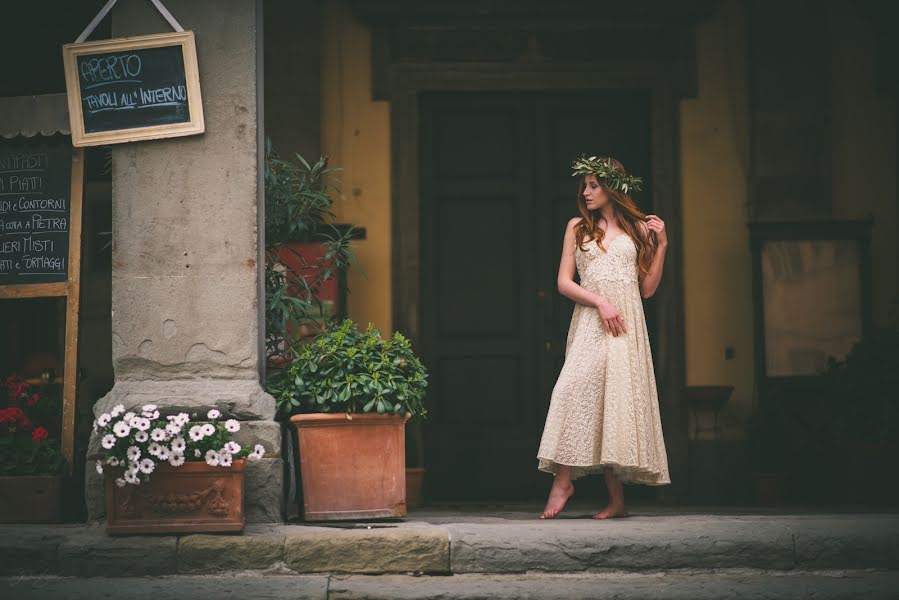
[(572, 222)]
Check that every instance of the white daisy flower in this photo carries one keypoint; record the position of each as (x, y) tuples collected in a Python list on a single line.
[(196, 433), (232, 425), (141, 436), (213, 414), (176, 460), (147, 466), (104, 419), (163, 453), (212, 458), (148, 408), (99, 468), (197, 453), (121, 429), (108, 441), (112, 461), (158, 435), (258, 449), (128, 416), (208, 429), (151, 415), (225, 459), (232, 447), (117, 410), (133, 453), (183, 418), (143, 424), (178, 445), (133, 421), (173, 429), (154, 449), (120, 482), (132, 478)]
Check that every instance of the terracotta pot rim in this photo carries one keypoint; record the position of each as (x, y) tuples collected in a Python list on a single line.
[(194, 466), (310, 418)]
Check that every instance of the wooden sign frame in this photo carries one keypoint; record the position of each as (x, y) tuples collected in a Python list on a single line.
[(71, 290), (194, 126)]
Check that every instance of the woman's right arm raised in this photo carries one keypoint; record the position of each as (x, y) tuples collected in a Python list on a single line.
[(568, 288)]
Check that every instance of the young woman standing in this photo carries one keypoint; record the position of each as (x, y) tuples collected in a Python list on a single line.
[(604, 412)]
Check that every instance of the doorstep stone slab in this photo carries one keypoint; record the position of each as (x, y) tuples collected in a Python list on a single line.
[(865, 541), (636, 543), (202, 553), (32, 549), (95, 554), (369, 551)]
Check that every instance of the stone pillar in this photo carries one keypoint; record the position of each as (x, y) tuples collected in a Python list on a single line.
[(185, 275)]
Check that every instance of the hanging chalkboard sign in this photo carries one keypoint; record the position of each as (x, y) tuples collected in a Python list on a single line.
[(35, 211), (133, 89)]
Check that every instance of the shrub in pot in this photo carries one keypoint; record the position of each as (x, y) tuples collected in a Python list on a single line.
[(349, 394), (171, 474), (31, 464), (304, 252)]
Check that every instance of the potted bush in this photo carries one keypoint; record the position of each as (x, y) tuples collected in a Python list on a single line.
[(31, 464), (167, 474), (349, 394), (861, 396), (304, 253)]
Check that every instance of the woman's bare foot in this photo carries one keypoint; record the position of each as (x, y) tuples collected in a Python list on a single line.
[(558, 496), (612, 511)]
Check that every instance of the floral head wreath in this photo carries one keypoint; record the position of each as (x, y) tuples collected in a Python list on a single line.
[(605, 169)]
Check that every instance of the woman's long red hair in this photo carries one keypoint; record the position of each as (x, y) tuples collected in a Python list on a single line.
[(629, 218)]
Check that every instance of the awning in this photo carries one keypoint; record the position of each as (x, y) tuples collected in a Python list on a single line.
[(47, 114)]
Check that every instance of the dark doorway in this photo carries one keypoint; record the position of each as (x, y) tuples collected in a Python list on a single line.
[(496, 193)]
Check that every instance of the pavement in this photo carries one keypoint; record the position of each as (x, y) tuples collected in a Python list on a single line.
[(477, 551)]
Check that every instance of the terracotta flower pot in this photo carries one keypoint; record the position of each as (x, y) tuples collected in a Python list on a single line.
[(30, 499), (352, 466), (414, 484), (187, 499)]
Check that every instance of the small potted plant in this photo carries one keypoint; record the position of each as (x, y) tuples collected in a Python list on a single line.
[(349, 394), (305, 254), (31, 464), (169, 474)]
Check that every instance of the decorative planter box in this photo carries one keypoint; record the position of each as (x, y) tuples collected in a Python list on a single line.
[(352, 466), (30, 499), (187, 499)]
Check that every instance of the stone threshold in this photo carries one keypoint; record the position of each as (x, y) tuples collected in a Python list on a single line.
[(488, 545)]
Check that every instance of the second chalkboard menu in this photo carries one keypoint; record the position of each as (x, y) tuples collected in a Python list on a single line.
[(35, 211), (133, 89)]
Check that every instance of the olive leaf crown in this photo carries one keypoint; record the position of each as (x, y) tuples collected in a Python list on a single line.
[(605, 169)]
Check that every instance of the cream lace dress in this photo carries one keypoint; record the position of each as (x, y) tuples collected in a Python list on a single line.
[(604, 409)]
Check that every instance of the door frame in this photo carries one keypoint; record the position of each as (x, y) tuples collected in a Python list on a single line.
[(405, 65)]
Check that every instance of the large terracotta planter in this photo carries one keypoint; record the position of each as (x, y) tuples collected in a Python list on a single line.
[(30, 499), (187, 499), (352, 466)]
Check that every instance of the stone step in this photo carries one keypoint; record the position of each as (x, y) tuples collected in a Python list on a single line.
[(677, 585), (642, 543)]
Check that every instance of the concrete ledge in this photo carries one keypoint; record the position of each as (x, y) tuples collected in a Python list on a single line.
[(32, 549), (94, 554), (220, 553), (381, 550), (637, 543), (837, 543)]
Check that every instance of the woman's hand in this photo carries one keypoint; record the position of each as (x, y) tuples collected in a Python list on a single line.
[(610, 316), (654, 223)]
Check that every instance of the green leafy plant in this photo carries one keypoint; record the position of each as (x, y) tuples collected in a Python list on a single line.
[(29, 430), (298, 205), (297, 197), (346, 370)]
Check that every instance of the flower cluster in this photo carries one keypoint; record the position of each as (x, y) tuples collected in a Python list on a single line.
[(605, 169), (138, 441), (27, 446)]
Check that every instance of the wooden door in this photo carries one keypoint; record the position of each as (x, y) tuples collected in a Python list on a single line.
[(496, 192)]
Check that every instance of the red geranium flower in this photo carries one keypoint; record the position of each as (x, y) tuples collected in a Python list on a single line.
[(33, 399), (39, 434), (26, 423)]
